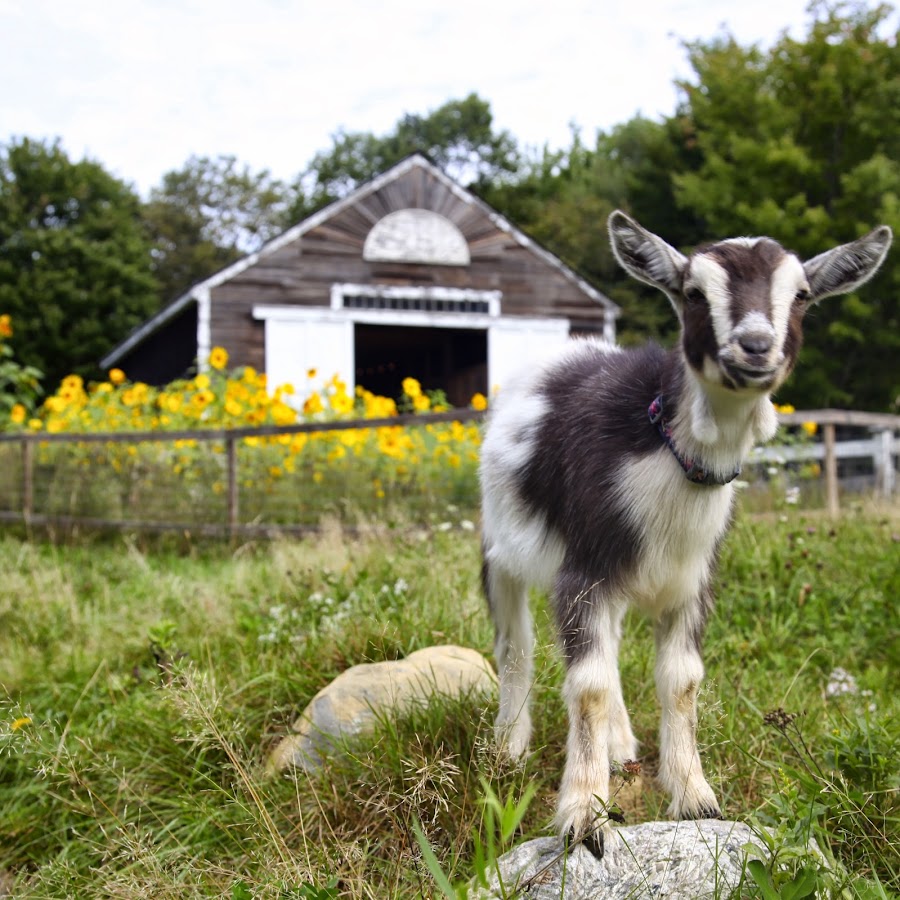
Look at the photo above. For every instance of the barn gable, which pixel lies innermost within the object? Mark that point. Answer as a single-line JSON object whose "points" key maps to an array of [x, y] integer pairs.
{"points": [[408, 275]]}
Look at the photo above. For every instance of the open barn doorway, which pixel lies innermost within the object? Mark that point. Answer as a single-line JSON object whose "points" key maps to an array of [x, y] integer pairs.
{"points": [[453, 360]]}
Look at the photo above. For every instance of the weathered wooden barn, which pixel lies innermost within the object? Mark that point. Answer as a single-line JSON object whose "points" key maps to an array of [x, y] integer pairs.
{"points": [[409, 275]]}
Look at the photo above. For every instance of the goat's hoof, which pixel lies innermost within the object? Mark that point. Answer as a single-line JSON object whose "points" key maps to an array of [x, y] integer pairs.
{"points": [[704, 812], [592, 842]]}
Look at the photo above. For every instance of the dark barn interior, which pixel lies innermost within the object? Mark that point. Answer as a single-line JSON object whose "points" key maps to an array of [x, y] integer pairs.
{"points": [[453, 360]]}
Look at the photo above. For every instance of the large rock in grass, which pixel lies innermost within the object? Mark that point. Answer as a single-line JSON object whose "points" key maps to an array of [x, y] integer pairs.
{"points": [[675, 860], [357, 699]]}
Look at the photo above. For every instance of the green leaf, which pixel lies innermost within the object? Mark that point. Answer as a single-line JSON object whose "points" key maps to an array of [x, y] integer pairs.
{"points": [[760, 874], [803, 885], [431, 861]]}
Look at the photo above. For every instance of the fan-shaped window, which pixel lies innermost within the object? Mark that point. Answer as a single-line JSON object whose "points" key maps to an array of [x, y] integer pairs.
{"points": [[416, 236]]}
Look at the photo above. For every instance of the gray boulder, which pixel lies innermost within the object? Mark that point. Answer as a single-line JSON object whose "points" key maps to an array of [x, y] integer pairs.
{"points": [[677, 860], [354, 702]]}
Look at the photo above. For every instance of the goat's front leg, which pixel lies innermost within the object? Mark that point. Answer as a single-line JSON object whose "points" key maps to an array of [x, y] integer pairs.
{"points": [[679, 672], [599, 730]]}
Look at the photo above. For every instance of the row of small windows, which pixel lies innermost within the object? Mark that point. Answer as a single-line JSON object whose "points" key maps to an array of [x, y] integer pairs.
{"points": [[417, 304]]}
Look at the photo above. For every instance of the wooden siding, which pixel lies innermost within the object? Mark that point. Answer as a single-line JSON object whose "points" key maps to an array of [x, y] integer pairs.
{"points": [[302, 272]]}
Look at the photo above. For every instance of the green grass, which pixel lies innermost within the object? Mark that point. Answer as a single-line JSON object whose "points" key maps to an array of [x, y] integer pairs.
{"points": [[148, 681]]}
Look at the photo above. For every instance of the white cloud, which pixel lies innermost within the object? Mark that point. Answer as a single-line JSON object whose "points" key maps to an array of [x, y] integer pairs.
{"points": [[143, 84]]}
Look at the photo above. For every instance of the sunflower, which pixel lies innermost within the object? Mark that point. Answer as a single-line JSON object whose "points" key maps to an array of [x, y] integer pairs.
{"points": [[218, 358]]}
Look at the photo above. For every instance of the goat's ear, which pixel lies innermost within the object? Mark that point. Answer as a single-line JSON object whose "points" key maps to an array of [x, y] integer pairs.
{"points": [[844, 268], [644, 255]]}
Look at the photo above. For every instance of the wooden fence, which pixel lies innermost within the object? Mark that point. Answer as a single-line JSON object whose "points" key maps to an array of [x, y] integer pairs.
{"points": [[26, 510], [881, 447], [18, 501]]}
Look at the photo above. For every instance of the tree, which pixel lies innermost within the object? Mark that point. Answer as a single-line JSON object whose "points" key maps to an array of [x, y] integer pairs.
{"points": [[458, 137], [563, 199], [208, 214], [74, 261], [800, 143]]}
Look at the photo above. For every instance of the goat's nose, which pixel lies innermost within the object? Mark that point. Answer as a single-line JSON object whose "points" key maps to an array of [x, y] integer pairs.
{"points": [[755, 343]]}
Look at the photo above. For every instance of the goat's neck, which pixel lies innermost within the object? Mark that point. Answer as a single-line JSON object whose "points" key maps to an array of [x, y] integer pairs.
{"points": [[718, 426]]}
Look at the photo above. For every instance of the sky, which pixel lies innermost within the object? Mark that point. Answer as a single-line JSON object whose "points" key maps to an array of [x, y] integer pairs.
{"points": [[141, 85]]}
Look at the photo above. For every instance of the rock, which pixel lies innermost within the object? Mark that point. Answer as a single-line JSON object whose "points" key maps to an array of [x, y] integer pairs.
{"points": [[353, 703], [678, 860]]}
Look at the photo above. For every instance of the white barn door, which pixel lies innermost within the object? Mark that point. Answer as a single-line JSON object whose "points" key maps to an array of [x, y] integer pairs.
{"points": [[296, 345], [513, 342]]}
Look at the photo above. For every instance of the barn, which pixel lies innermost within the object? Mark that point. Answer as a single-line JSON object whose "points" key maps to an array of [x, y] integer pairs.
{"points": [[409, 275]]}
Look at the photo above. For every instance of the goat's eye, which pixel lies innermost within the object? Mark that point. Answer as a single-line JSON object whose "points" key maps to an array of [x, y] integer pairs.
{"points": [[802, 296], [694, 295]]}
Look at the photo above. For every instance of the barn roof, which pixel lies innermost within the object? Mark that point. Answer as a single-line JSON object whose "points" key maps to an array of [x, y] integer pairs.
{"points": [[200, 291]]}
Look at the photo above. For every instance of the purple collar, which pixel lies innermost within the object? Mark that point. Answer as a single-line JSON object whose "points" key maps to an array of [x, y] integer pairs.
{"points": [[693, 471]]}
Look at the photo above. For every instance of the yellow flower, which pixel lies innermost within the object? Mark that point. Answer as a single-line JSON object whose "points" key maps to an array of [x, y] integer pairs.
{"points": [[170, 402], [313, 405], [20, 722], [810, 428], [35, 424], [479, 401], [202, 381], [203, 398], [341, 403], [6, 329], [311, 373], [421, 403], [116, 376], [785, 409], [412, 388], [283, 414], [17, 414], [218, 358]]}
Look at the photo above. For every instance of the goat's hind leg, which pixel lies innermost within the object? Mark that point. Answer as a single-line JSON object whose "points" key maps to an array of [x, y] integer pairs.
{"points": [[514, 652]]}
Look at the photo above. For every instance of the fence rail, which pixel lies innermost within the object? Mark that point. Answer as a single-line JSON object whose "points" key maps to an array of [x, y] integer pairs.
{"points": [[19, 503]]}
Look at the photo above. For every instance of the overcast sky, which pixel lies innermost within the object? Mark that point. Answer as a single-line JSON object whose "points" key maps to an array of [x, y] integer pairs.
{"points": [[140, 85]]}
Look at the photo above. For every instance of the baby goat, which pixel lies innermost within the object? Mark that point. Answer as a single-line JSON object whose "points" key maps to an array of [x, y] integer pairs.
{"points": [[606, 478]]}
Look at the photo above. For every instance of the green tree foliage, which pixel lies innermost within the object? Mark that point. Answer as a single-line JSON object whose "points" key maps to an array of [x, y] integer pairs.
{"points": [[563, 199], [458, 137], [74, 262], [208, 214], [801, 143]]}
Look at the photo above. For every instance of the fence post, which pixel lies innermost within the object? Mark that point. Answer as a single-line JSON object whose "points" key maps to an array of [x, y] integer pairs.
{"points": [[231, 457], [27, 480], [831, 474], [884, 464]]}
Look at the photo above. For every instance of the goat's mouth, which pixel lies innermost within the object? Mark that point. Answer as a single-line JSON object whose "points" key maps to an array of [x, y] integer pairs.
{"points": [[744, 376]]}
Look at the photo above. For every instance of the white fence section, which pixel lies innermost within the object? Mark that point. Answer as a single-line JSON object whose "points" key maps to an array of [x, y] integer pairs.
{"points": [[882, 446]]}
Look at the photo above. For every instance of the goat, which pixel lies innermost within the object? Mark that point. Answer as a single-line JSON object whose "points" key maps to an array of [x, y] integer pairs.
{"points": [[607, 477]]}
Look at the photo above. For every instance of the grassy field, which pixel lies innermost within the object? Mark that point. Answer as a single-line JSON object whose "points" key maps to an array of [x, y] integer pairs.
{"points": [[144, 684]]}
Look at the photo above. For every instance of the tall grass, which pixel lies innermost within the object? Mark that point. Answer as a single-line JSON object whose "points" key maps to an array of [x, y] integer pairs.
{"points": [[145, 684]]}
